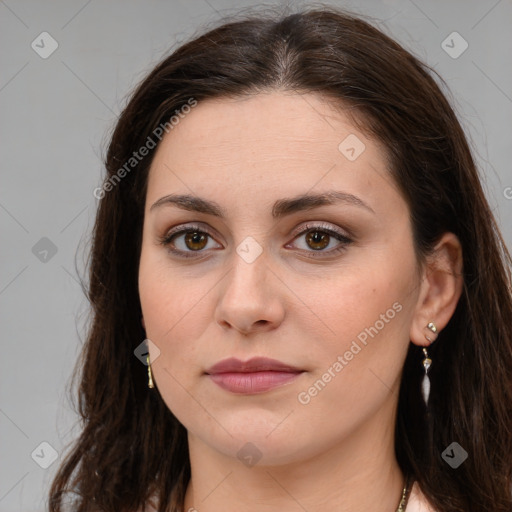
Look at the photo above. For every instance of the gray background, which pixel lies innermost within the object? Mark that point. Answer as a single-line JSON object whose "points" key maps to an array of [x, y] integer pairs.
{"points": [[56, 114]]}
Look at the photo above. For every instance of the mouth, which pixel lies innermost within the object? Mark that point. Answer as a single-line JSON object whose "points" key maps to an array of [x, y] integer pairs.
{"points": [[257, 375]]}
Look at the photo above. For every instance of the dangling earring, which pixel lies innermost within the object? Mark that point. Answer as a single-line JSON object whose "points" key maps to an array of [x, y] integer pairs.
{"points": [[150, 383], [427, 362], [425, 385]]}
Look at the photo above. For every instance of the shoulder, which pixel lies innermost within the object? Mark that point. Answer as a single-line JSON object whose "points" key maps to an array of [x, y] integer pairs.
{"points": [[417, 501]]}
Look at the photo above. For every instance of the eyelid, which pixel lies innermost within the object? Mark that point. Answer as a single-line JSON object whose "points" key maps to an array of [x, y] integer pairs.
{"points": [[343, 238], [188, 226], [320, 226], [180, 230]]}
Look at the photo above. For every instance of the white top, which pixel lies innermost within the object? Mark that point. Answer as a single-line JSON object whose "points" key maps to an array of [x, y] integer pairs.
{"points": [[417, 501]]}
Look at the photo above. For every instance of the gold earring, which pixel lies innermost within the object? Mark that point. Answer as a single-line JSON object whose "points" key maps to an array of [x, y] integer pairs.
{"points": [[150, 383], [433, 328]]}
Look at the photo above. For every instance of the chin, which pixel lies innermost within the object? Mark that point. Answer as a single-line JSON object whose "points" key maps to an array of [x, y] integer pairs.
{"points": [[261, 441]]}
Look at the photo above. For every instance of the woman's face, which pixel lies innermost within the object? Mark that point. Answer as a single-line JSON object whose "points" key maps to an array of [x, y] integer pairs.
{"points": [[327, 287]]}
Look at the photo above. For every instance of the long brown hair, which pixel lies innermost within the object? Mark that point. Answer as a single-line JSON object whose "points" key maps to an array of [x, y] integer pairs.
{"points": [[131, 445]]}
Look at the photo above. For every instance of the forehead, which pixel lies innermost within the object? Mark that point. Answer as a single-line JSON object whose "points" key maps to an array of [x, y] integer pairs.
{"points": [[285, 123], [282, 143]]}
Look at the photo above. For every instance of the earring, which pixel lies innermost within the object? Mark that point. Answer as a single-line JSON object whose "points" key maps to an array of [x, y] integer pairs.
{"points": [[150, 376], [433, 328], [427, 362]]}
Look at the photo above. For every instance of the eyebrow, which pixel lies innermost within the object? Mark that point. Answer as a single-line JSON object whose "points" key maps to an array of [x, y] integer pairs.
{"points": [[281, 208]]}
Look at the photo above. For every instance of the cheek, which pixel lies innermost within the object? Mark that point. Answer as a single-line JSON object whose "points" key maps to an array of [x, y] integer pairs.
{"points": [[171, 311], [165, 299], [176, 312], [367, 309], [358, 368], [356, 299]]}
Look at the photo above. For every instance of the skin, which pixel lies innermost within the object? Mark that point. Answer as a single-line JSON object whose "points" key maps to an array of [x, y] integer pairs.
{"points": [[337, 451]]}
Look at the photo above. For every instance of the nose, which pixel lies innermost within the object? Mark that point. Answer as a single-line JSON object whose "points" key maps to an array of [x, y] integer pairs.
{"points": [[250, 297]]}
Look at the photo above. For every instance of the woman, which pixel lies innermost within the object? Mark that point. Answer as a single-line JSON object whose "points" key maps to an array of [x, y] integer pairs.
{"points": [[293, 224]]}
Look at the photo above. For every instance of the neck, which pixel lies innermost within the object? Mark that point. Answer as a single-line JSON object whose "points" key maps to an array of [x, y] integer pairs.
{"points": [[359, 473]]}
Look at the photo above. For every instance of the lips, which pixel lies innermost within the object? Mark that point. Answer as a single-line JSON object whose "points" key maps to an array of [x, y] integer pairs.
{"points": [[256, 364], [256, 375]]}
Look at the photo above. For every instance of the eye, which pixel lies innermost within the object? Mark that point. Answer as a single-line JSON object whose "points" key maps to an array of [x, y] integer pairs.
{"points": [[191, 241], [320, 236], [186, 242]]}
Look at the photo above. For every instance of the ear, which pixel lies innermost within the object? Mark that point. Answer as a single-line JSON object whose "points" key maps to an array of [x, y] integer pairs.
{"points": [[440, 290]]}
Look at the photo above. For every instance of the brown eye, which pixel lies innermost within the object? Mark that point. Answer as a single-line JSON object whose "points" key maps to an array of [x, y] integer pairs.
{"points": [[189, 241], [196, 240], [320, 240], [317, 240]]}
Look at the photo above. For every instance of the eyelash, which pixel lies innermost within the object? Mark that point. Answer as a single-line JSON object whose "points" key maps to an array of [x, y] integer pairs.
{"points": [[321, 228]]}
